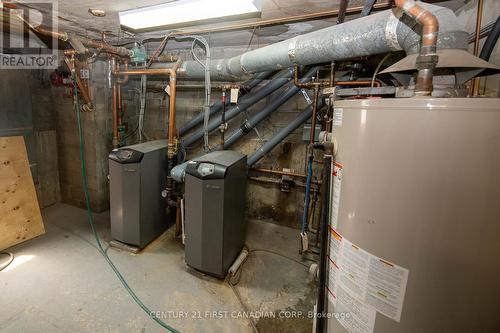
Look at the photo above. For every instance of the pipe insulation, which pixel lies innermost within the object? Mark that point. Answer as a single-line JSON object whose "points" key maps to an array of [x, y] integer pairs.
{"points": [[283, 133], [382, 32], [246, 101], [179, 171], [217, 106], [290, 90]]}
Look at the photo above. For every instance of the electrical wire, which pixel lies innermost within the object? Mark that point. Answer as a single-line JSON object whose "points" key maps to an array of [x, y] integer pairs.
{"points": [[8, 262], [90, 219], [206, 67], [378, 68], [208, 85], [143, 93]]}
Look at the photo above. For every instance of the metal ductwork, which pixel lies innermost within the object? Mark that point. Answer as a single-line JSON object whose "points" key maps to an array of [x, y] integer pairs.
{"points": [[217, 106], [283, 133], [247, 101], [382, 32]]}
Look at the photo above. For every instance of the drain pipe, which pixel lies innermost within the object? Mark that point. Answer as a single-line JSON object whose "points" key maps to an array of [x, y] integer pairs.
{"points": [[427, 59], [247, 101], [281, 135], [217, 106], [290, 90]]}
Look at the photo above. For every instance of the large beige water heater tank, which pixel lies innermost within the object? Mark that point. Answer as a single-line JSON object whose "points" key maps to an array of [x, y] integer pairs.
{"points": [[419, 190]]}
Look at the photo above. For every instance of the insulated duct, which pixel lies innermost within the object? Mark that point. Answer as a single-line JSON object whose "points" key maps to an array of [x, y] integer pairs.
{"points": [[281, 135], [245, 102], [290, 90], [382, 32], [217, 106]]}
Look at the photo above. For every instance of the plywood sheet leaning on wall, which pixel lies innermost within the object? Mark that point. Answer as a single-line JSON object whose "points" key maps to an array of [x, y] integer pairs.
{"points": [[20, 217]]}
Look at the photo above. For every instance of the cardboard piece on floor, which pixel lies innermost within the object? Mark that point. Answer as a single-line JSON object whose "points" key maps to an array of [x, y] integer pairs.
{"points": [[20, 218]]}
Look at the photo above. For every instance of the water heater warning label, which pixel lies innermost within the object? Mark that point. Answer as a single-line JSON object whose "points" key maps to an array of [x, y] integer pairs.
{"points": [[364, 282], [338, 115], [335, 192]]}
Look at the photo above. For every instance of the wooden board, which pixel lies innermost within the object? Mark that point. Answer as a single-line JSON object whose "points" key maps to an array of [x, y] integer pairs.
{"points": [[20, 217]]}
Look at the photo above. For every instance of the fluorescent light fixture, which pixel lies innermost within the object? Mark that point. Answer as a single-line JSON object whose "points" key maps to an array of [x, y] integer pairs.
{"points": [[188, 12]]}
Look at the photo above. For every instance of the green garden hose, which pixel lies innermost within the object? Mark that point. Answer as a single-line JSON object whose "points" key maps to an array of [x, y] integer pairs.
{"points": [[90, 218]]}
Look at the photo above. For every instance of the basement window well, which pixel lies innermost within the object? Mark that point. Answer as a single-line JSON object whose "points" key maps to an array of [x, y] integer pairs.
{"points": [[188, 12]]}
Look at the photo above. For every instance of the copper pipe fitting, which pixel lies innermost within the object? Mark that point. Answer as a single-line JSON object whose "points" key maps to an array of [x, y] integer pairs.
{"points": [[172, 74], [427, 60]]}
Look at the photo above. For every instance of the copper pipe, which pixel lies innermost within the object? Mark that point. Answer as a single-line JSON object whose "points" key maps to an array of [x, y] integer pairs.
{"points": [[171, 73], [277, 182], [161, 87], [283, 20], [119, 107], [70, 62], [64, 36], [281, 173], [147, 71], [310, 85], [120, 83], [427, 59], [50, 33], [125, 78], [313, 116], [332, 73], [475, 82], [166, 58], [376, 83], [114, 104], [307, 85], [69, 52]]}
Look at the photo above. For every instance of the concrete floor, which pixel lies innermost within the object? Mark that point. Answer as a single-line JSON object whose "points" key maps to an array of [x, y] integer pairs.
{"points": [[59, 283]]}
